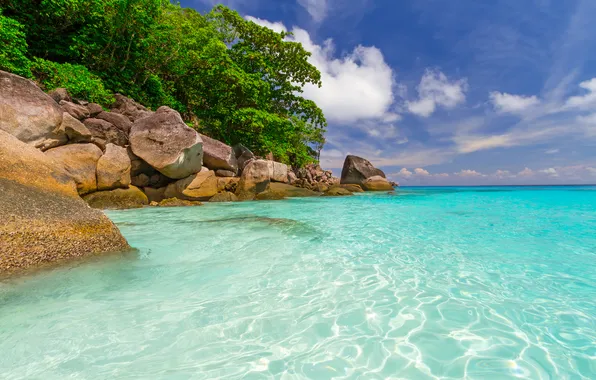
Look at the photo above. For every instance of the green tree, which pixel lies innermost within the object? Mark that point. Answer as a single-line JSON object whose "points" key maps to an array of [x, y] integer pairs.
{"points": [[13, 54]]}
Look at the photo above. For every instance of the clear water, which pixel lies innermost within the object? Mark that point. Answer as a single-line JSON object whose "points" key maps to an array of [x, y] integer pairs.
{"points": [[484, 283]]}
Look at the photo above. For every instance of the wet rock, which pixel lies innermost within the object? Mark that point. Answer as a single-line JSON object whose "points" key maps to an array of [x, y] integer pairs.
{"points": [[131, 197], [377, 183], [175, 202], [289, 191], [352, 188], [225, 196], [337, 191]]}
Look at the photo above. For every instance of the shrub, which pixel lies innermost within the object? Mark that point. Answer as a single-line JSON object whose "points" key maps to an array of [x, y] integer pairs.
{"points": [[79, 81], [13, 47]]}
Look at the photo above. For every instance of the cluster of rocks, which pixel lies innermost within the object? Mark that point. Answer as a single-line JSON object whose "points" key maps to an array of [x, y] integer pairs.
{"points": [[66, 149]]}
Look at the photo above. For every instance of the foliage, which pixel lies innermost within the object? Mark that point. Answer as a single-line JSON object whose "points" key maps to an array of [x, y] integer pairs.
{"points": [[235, 80], [13, 56], [79, 82]]}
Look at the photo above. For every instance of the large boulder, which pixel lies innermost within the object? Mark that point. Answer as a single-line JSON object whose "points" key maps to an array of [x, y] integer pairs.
{"points": [[254, 180], [113, 168], [60, 94], [357, 169], [129, 108], [155, 195], [80, 162], [75, 131], [28, 113], [278, 172], [352, 188], [75, 110], [106, 132], [43, 218], [336, 191], [198, 187], [243, 156], [217, 155], [377, 183], [117, 120], [131, 197], [167, 144]]}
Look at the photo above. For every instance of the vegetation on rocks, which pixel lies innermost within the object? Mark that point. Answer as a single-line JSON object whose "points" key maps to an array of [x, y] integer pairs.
{"points": [[230, 78]]}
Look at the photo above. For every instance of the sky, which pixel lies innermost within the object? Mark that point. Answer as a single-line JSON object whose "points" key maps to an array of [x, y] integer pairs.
{"points": [[460, 92]]}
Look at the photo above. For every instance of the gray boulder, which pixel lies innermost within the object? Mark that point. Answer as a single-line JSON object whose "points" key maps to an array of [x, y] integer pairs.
{"points": [[28, 113], [113, 168], [243, 156], [129, 108], [166, 143], [60, 94], [118, 120], [224, 173], [278, 172], [75, 131], [75, 110], [106, 132], [217, 155], [357, 169], [79, 161], [94, 109], [254, 180]]}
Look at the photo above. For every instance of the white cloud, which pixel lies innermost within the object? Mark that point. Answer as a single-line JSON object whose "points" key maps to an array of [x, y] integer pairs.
{"points": [[587, 100], [527, 172], [550, 171], [404, 173], [316, 8], [436, 90], [421, 172], [469, 173], [355, 87], [504, 102], [503, 174], [552, 151]]}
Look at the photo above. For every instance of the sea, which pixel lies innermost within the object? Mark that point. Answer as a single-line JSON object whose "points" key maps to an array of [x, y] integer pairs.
{"points": [[422, 283]]}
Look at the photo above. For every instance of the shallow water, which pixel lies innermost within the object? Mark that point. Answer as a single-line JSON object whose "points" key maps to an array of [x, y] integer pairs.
{"points": [[484, 283]]}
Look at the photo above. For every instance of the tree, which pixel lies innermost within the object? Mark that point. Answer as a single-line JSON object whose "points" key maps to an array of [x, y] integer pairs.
{"points": [[13, 54]]}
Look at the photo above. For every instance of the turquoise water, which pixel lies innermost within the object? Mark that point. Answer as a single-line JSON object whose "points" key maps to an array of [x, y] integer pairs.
{"points": [[483, 283]]}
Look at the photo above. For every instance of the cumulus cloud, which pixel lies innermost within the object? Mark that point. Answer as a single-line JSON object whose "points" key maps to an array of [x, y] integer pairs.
{"points": [[527, 172], [316, 8], [508, 103], [468, 173], [503, 174], [550, 172], [357, 86], [436, 90], [421, 172], [404, 173]]}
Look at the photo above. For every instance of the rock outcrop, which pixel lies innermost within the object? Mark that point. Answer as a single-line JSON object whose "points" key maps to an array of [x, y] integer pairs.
{"points": [[254, 180], [289, 191], [167, 144], [43, 218], [337, 191], [117, 120], [129, 108], [312, 177], [243, 156], [77, 111], [131, 197], [225, 196], [105, 132], [113, 168], [197, 187], [79, 161], [376, 183], [278, 172], [28, 113], [218, 156], [357, 169], [75, 131]]}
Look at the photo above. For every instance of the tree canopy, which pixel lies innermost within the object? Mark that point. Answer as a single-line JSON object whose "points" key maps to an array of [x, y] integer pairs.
{"points": [[230, 78]]}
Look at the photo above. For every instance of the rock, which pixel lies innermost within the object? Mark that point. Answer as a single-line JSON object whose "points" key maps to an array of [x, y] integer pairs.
{"points": [[269, 196], [352, 188], [113, 168], [80, 162], [337, 191], [75, 131], [225, 196], [278, 172], [43, 218], [141, 180], [77, 111], [356, 170], [197, 187], [129, 108], [117, 199], [227, 184], [224, 173], [117, 120], [254, 180], [153, 204], [243, 156], [94, 109], [59, 95], [321, 187], [217, 155], [175, 202], [155, 195], [106, 132], [167, 144], [289, 191], [28, 113], [377, 183], [292, 177]]}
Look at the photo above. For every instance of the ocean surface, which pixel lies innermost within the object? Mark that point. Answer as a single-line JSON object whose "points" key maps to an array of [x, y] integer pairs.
{"points": [[427, 283]]}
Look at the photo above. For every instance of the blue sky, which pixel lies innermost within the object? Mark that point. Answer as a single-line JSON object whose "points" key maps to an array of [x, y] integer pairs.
{"points": [[450, 92]]}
